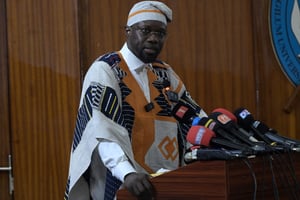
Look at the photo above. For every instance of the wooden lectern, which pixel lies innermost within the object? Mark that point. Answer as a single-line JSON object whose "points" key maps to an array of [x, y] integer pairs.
{"points": [[263, 177]]}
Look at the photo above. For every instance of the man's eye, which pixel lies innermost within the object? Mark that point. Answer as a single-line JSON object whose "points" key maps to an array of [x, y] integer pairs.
{"points": [[145, 30], [162, 33]]}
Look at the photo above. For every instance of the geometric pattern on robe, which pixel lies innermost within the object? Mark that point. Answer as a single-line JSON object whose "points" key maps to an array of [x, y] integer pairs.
{"points": [[104, 113]]}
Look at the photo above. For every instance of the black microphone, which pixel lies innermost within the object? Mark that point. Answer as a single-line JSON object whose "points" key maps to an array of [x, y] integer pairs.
{"points": [[246, 120], [269, 132], [229, 125], [182, 112], [293, 145], [274, 136], [196, 154], [225, 139], [214, 126], [185, 110], [234, 119]]}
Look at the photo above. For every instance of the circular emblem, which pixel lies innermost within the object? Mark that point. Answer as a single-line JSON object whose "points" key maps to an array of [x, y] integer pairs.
{"points": [[285, 33]]}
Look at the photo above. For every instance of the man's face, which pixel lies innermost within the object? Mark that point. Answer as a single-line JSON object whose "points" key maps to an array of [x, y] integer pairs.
{"points": [[146, 39]]}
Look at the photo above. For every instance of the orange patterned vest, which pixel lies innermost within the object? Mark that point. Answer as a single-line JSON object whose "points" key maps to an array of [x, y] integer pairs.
{"points": [[154, 137]]}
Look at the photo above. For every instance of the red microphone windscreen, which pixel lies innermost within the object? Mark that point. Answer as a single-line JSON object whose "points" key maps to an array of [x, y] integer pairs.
{"points": [[226, 112], [200, 135]]}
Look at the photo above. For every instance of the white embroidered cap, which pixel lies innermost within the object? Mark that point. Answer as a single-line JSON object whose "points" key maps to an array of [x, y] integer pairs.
{"points": [[149, 10]]}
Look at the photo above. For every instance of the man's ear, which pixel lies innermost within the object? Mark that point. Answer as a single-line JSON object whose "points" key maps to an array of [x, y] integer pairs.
{"points": [[127, 29]]}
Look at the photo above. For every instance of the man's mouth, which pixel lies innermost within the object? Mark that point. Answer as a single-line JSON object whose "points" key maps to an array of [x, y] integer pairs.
{"points": [[150, 50]]}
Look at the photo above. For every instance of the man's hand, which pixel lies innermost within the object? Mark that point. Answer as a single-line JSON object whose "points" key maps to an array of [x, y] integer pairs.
{"points": [[139, 185]]}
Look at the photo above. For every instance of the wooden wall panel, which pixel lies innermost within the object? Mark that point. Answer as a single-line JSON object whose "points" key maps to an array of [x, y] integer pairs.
{"points": [[4, 106], [44, 86], [273, 87], [101, 27], [213, 52]]}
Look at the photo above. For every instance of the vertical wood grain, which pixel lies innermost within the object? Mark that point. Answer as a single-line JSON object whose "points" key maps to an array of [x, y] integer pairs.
{"points": [[272, 85], [44, 86], [4, 105], [213, 52], [101, 27]]}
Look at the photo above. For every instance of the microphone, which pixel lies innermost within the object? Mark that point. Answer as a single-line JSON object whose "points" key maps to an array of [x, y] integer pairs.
{"points": [[212, 125], [185, 110], [268, 132], [182, 112], [229, 125], [203, 136], [246, 120], [227, 113], [200, 135], [196, 154], [293, 145], [274, 135], [234, 119]]}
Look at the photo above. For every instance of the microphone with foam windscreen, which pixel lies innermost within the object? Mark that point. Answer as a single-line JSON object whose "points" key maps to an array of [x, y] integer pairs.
{"points": [[226, 123], [186, 109], [246, 120], [204, 141], [273, 134], [202, 136], [234, 119], [214, 126], [245, 117], [227, 113], [183, 112]]}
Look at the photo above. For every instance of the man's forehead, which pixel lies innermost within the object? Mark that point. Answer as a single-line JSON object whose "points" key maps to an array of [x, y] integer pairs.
{"points": [[151, 23]]}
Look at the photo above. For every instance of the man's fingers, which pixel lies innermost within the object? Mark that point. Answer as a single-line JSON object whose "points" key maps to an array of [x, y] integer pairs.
{"points": [[139, 184]]}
